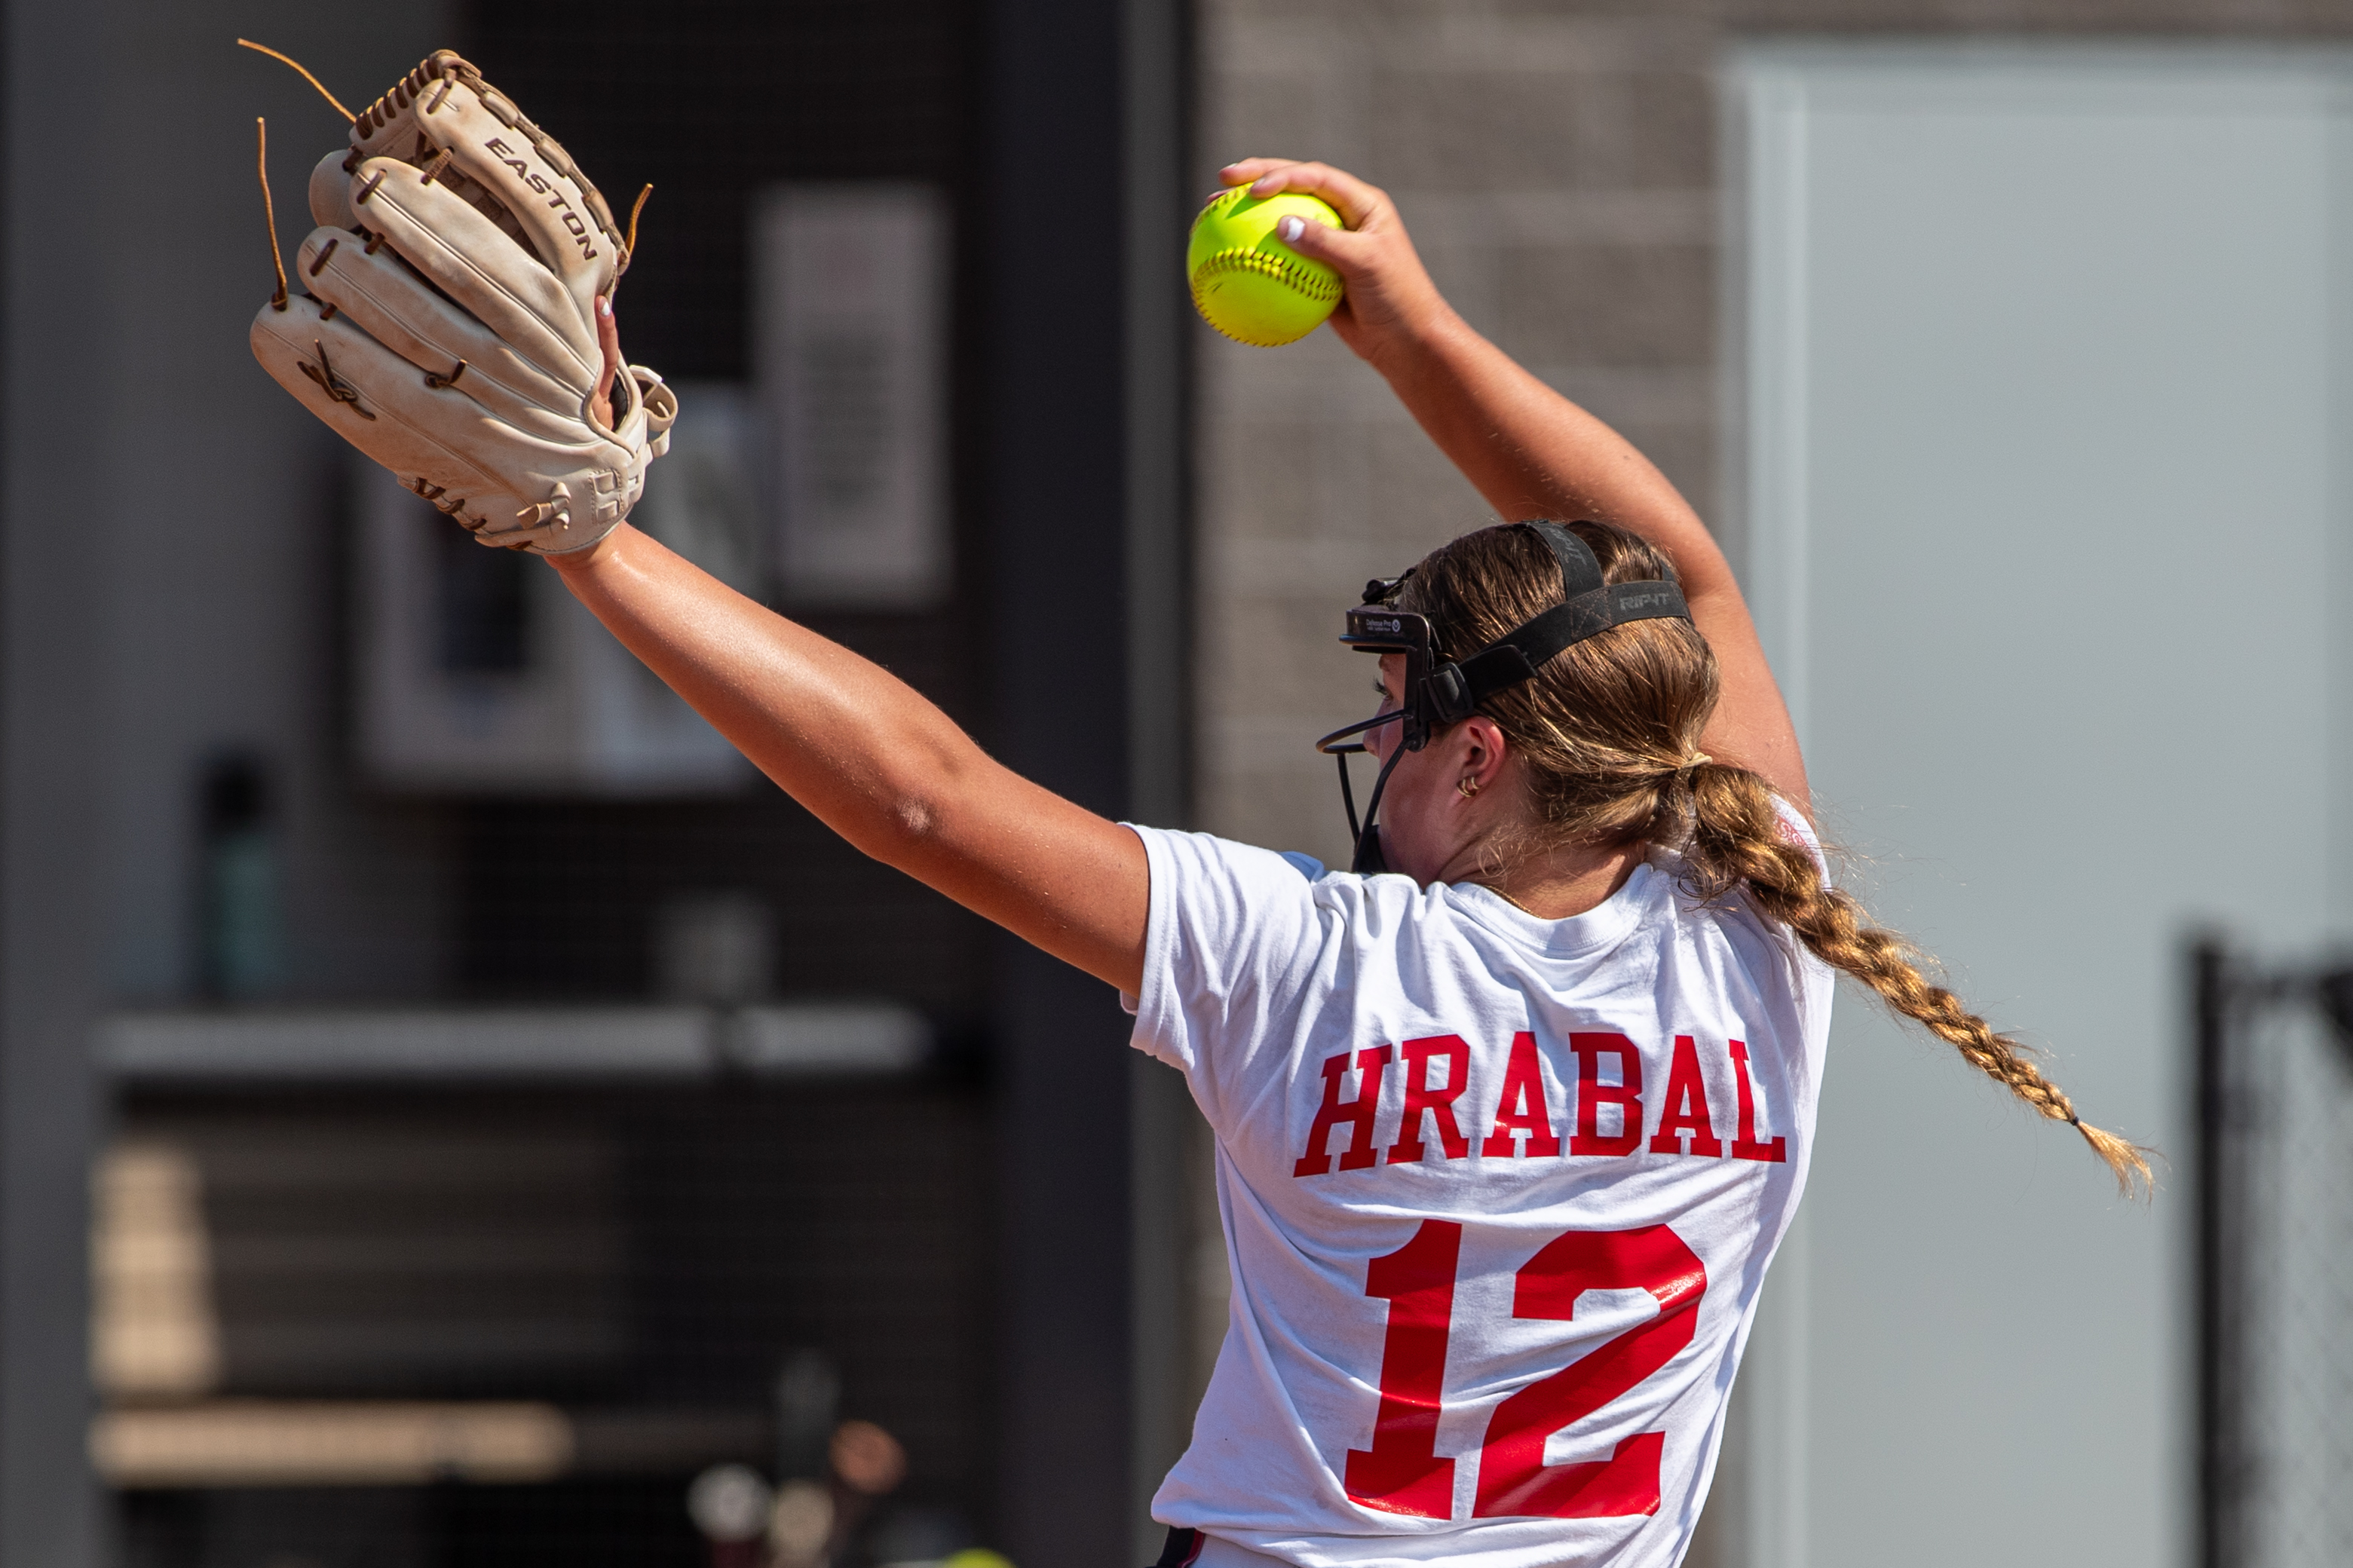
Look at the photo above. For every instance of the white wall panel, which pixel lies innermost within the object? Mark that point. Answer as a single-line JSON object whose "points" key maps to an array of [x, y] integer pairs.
{"points": [[2043, 398]]}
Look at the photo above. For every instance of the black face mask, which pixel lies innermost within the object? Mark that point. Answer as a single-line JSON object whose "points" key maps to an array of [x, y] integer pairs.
{"points": [[1437, 694]]}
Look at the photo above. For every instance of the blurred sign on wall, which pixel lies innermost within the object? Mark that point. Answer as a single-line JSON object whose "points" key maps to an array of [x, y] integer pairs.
{"points": [[480, 674], [702, 498], [850, 349]]}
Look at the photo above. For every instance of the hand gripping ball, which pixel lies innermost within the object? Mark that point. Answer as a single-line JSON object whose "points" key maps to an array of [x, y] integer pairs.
{"points": [[1247, 283]]}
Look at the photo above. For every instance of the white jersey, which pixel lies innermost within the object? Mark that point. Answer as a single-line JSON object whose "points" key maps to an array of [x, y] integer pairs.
{"points": [[1498, 1194]]}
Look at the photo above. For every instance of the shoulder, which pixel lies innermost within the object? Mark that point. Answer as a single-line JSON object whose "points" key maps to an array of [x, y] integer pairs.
{"points": [[1238, 941], [1203, 861], [1219, 910], [1202, 866]]}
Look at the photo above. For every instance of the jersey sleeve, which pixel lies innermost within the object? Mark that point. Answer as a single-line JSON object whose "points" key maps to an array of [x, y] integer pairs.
{"points": [[1232, 944]]}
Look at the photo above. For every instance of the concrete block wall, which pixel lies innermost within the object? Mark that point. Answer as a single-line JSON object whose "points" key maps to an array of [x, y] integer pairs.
{"points": [[1555, 170]]}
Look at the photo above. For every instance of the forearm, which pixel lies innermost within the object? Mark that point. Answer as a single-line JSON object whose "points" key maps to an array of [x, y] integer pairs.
{"points": [[1533, 453], [873, 759], [844, 737]]}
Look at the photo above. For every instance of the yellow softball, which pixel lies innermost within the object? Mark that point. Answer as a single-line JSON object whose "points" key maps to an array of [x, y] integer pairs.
{"points": [[1246, 282]]}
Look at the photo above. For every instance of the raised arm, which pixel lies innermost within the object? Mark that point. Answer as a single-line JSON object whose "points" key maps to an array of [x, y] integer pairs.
{"points": [[1529, 451], [877, 762]]}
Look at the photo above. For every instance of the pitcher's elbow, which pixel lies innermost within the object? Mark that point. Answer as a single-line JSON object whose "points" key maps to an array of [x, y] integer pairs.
{"points": [[914, 820]]}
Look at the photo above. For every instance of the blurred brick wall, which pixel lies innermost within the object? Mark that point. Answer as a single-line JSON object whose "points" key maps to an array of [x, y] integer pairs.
{"points": [[1555, 164], [1555, 170]]}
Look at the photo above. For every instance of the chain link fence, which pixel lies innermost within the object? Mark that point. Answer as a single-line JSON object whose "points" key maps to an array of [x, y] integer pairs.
{"points": [[2276, 1068]]}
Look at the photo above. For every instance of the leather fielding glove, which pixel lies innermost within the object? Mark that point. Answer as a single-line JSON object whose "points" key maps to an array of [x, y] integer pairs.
{"points": [[449, 326]]}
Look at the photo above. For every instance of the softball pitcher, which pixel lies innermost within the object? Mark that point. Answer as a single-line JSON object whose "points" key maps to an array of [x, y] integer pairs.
{"points": [[1510, 1115]]}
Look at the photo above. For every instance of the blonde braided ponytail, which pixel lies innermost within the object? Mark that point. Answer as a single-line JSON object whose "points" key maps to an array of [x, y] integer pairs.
{"points": [[1610, 730], [1737, 841]]}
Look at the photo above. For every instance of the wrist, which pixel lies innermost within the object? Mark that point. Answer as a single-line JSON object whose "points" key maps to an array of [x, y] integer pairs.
{"points": [[1418, 340], [589, 557]]}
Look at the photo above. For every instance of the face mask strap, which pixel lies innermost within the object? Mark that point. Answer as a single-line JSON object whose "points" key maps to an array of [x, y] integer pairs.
{"points": [[1340, 748], [1368, 861]]}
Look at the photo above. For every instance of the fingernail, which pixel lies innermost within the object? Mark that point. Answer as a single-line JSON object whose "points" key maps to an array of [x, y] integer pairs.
{"points": [[1292, 228], [603, 306]]}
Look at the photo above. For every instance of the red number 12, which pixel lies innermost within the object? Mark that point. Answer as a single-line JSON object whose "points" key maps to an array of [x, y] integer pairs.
{"points": [[1402, 1472]]}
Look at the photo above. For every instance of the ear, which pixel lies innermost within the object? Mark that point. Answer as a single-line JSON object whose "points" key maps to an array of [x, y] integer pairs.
{"points": [[1479, 750]]}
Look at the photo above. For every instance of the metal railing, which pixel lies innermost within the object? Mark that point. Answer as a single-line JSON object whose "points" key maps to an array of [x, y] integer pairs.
{"points": [[228, 1047]]}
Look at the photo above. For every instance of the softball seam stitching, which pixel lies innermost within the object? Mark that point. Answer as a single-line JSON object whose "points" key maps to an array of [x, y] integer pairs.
{"points": [[1289, 270]]}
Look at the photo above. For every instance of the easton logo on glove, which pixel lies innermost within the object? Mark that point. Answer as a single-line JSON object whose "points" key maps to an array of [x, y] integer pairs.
{"points": [[539, 183], [447, 325]]}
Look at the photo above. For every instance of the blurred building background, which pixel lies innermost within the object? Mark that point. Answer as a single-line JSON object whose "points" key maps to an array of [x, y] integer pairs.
{"points": [[500, 1107], [445, 1106]]}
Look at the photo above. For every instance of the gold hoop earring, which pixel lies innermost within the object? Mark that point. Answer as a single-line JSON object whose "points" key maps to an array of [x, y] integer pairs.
{"points": [[1466, 788]]}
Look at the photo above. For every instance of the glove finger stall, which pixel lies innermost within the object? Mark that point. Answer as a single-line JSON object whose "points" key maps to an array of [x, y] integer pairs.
{"points": [[469, 258], [383, 297], [355, 386], [331, 193], [549, 494], [554, 211], [444, 104]]}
